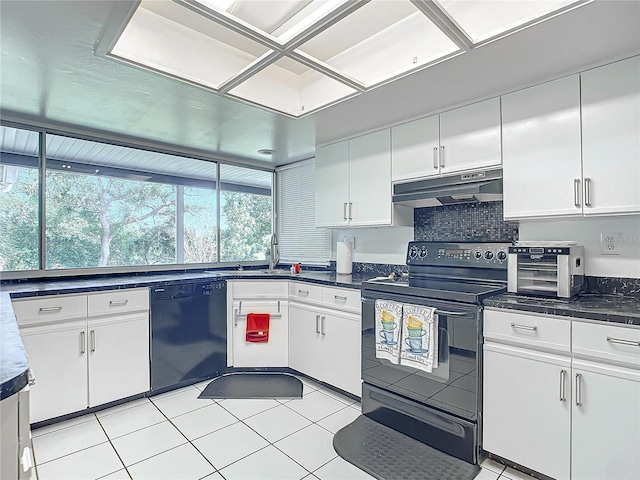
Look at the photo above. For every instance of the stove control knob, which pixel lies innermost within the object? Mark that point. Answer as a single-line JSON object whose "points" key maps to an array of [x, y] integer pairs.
{"points": [[423, 252], [413, 251], [488, 255], [502, 256], [478, 254]]}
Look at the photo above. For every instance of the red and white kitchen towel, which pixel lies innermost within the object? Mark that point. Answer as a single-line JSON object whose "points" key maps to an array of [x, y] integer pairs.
{"points": [[257, 327]]}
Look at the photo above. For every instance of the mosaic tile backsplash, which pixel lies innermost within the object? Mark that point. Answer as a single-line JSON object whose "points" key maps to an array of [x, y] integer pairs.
{"points": [[466, 222]]}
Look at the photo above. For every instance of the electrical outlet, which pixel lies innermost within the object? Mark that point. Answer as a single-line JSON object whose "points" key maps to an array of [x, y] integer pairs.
{"points": [[610, 243]]}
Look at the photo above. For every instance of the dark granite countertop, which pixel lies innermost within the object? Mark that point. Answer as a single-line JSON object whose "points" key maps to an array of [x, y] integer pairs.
{"points": [[14, 365], [606, 308]]}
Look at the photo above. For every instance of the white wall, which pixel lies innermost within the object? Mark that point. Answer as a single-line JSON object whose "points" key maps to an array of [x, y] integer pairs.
{"points": [[376, 245], [587, 231]]}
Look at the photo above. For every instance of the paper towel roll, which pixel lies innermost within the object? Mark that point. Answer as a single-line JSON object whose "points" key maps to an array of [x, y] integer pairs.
{"points": [[343, 258]]}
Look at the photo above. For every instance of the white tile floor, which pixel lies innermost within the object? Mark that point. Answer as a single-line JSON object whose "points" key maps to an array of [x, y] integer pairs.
{"points": [[178, 436]]}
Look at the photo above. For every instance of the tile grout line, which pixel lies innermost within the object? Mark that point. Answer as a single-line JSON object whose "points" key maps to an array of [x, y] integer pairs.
{"points": [[114, 449]]}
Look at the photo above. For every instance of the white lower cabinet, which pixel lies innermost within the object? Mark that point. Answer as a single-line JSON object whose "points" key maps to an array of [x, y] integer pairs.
{"points": [[341, 357], [89, 361], [606, 422], [118, 358], [527, 408], [569, 414], [274, 352], [324, 342], [58, 358]]}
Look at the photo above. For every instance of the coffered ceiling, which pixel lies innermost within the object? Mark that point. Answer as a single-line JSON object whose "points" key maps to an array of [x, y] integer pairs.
{"points": [[57, 70]]}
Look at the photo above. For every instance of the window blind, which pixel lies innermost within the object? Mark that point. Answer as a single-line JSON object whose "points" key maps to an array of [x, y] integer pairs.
{"points": [[298, 237]]}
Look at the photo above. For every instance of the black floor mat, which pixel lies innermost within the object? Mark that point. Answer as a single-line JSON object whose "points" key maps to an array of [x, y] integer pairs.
{"points": [[390, 455], [254, 385]]}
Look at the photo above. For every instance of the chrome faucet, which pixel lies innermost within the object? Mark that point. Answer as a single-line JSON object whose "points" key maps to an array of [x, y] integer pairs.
{"points": [[274, 257]]}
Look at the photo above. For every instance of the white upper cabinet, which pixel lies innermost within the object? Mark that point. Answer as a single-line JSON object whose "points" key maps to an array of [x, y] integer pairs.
{"points": [[571, 147], [414, 149], [470, 137], [353, 184], [332, 185], [541, 150], [370, 179], [466, 138], [611, 138]]}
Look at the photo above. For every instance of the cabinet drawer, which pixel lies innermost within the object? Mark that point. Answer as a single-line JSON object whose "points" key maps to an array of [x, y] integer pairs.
{"points": [[261, 289], [607, 342], [118, 301], [305, 292], [341, 298], [47, 309], [531, 331]]}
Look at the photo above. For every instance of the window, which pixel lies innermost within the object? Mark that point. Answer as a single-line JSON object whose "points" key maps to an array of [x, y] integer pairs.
{"points": [[246, 211], [299, 239], [19, 199], [112, 206]]}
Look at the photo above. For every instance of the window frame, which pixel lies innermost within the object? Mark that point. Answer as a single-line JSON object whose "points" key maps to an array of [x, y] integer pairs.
{"points": [[43, 272]]}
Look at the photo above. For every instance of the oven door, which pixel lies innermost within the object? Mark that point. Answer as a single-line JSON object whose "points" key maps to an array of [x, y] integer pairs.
{"points": [[452, 387]]}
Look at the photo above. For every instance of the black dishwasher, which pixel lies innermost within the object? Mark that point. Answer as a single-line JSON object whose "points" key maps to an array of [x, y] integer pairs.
{"points": [[188, 333]]}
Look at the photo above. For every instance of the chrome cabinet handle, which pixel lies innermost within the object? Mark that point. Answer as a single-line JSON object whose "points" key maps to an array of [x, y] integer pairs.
{"points": [[82, 343], [435, 158], [576, 192], [318, 324], [578, 390], [441, 156], [115, 303], [587, 192], [623, 341], [524, 327], [31, 377], [563, 377], [453, 314], [50, 309], [322, 324], [93, 340], [350, 214], [340, 297], [344, 211], [303, 292]]}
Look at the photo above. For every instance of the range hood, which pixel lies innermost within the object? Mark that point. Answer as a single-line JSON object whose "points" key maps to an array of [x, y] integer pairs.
{"points": [[483, 186]]}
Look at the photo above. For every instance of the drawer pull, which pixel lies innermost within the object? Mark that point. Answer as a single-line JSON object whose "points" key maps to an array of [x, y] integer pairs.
{"points": [[524, 327], [563, 376], [303, 292], [116, 303], [622, 341], [50, 309], [340, 297]]}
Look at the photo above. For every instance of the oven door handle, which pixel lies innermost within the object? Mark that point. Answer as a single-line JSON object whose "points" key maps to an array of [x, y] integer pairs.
{"points": [[454, 314]]}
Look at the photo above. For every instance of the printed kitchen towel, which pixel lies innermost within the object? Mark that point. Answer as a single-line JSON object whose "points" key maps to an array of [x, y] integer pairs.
{"points": [[387, 331], [257, 327], [419, 339]]}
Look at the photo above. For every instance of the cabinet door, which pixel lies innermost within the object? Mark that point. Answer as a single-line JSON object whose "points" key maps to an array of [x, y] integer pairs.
{"points": [[58, 357], [524, 418], [470, 137], [606, 424], [370, 179], [304, 340], [611, 138], [341, 356], [415, 149], [275, 352], [332, 185], [118, 358], [541, 154]]}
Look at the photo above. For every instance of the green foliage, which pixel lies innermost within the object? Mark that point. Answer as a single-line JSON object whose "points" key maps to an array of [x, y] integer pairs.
{"points": [[247, 227], [97, 221]]}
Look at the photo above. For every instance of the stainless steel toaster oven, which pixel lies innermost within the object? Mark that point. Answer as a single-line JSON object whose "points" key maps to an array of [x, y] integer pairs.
{"points": [[550, 270]]}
